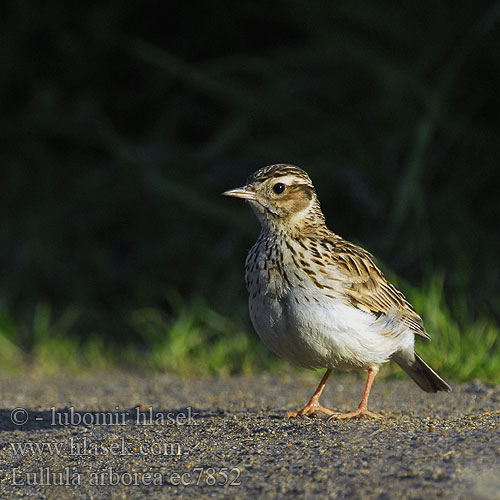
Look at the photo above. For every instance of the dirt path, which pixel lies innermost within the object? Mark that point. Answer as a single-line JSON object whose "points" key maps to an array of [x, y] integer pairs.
{"points": [[227, 438]]}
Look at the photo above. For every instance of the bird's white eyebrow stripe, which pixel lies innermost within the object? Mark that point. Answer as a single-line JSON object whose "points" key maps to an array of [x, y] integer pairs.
{"points": [[288, 179]]}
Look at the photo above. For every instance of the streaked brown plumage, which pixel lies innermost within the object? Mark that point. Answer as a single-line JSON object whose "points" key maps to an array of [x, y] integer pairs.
{"points": [[318, 299]]}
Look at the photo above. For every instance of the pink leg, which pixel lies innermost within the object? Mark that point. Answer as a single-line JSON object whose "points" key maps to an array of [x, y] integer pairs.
{"points": [[313, 406], [362, 410]]}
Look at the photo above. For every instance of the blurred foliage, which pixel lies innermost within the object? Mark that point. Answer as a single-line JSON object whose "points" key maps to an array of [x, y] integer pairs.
{"points": [[192, 340], [195, 340], [462, 345], [123, 121]]}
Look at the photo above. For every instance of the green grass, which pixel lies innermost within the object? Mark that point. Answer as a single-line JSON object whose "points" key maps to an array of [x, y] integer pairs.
{"points": [[461, 347], [196, 340]]}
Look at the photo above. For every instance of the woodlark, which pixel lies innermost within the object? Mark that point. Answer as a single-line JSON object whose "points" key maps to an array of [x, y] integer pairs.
{"points": [[319, 300]]}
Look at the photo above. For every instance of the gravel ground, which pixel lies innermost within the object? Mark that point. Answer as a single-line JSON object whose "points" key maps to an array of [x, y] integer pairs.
{"points": [[228, 438]]}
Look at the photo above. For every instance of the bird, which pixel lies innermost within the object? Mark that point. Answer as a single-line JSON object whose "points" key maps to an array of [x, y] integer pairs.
{"points": [[319, 300]]}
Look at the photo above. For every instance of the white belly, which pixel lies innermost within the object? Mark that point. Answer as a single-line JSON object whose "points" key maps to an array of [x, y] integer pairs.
{"points": [[320, 332]]}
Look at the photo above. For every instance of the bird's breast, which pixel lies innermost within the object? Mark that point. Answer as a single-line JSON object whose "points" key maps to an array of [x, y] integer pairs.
{"points": [[301, 315]]}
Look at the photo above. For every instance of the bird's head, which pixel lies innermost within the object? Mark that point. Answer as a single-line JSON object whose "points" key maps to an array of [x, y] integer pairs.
{"points": [[281, 195]]}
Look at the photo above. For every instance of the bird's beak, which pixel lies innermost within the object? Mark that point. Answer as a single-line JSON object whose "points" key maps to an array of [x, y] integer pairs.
{"points": [[245, 192]]}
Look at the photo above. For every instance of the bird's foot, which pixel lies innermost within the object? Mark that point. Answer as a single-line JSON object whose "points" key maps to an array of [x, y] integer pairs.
{"points": [[311, 410], [360, 412]]}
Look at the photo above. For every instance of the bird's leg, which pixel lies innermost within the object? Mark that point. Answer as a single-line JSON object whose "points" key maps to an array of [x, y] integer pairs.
{"points": [[362, 410], [313, 406]]}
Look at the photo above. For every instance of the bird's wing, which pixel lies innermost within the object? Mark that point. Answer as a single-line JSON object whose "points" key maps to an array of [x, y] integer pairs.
{"points": [[367, 288]]}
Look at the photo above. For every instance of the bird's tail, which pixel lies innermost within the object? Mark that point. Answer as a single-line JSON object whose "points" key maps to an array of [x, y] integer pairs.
{"points": [[422, 374]]}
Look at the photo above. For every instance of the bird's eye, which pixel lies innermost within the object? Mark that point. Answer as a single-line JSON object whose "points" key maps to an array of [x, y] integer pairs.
{"points": [[278, 188]]}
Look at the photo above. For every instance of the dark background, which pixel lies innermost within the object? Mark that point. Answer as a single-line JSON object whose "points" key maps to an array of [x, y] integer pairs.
{"points": [[123, 121]]}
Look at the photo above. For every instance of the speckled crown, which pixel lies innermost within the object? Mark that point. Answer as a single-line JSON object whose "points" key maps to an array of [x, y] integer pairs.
{"points": [[279, 170]]}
